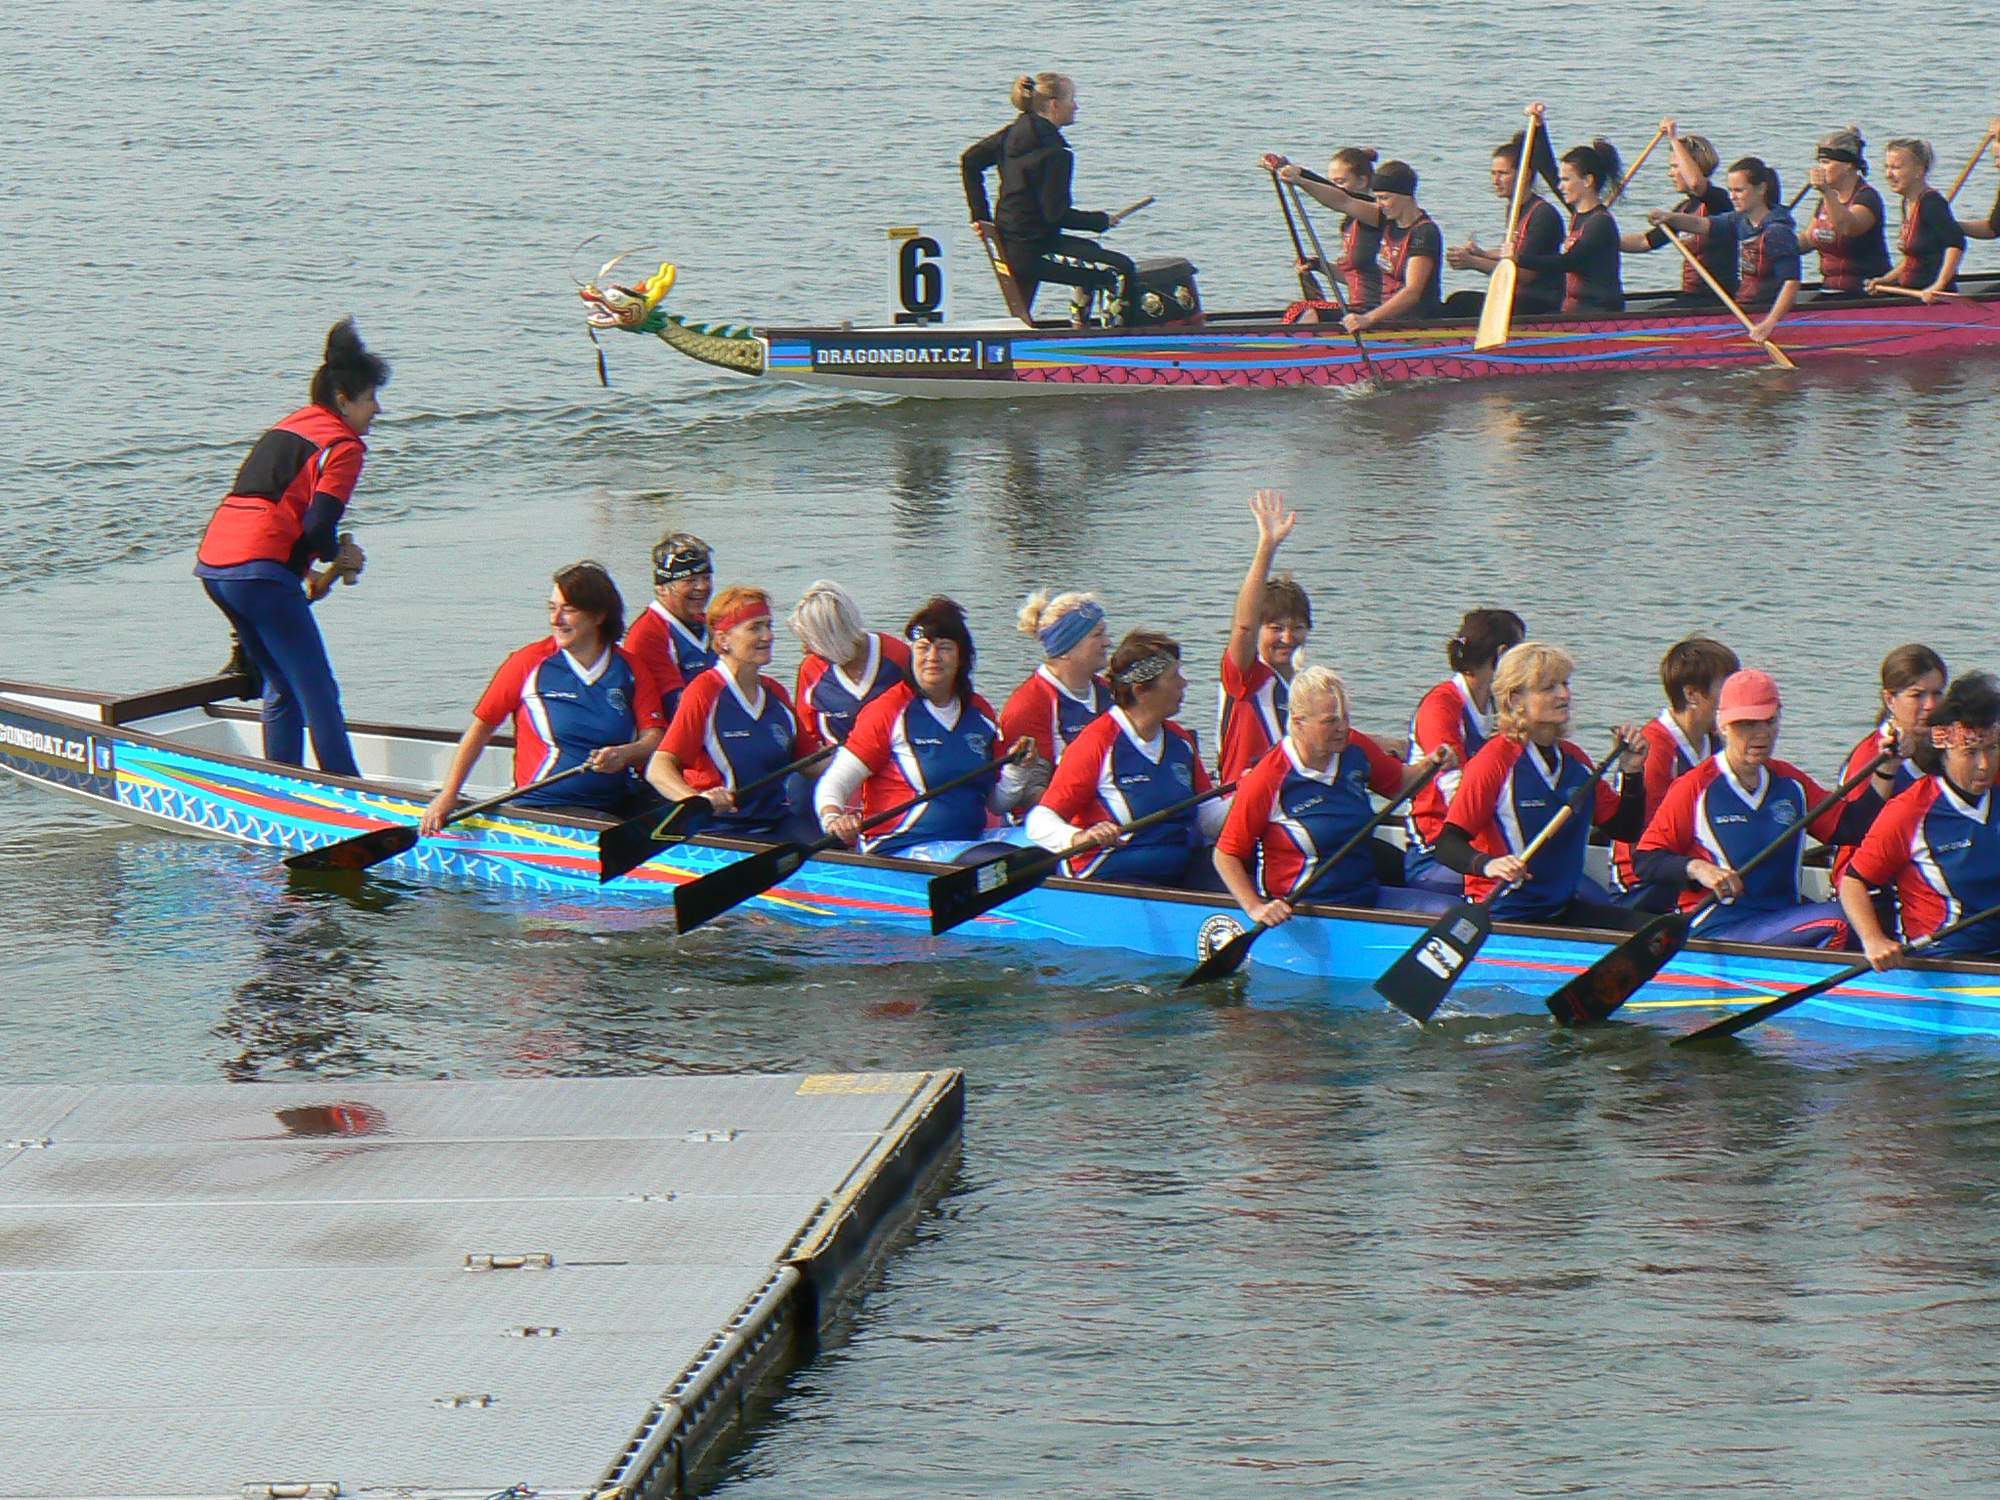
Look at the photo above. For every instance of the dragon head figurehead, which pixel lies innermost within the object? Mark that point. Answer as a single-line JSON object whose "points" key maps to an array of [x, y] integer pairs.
{"points": [[636, 309]]}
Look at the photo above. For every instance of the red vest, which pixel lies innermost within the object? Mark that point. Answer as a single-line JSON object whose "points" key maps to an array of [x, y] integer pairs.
{"points": [[311, 452], [1846, 261]]}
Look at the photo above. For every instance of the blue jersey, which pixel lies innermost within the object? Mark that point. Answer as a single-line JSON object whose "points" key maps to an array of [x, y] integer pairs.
{"points": [[1107, 775], [1709, 814], [721, 738], [562, 711], [908, 748], [1507, 794], [1291, 817]]}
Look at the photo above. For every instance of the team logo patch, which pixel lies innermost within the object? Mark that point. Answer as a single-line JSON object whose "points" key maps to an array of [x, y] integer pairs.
{"points": [[1184, 774], [619, 702], [1786, 814], [1217, 933], [980, 743]]}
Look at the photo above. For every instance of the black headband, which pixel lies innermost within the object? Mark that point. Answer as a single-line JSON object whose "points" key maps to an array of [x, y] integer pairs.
{"points": [[688, 564]]}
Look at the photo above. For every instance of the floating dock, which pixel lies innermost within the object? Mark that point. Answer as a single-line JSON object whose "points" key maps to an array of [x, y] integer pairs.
{"points": [[306, 1291]]}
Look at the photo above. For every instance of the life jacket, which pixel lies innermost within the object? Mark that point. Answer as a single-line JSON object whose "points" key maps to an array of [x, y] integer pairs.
{"points": [[263, 516], [1394, 254], [1754, 269], [1358, 266], [1846, 261]]}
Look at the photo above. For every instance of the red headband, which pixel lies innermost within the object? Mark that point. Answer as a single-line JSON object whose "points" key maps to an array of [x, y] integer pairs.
{"points": [[753, 609]]}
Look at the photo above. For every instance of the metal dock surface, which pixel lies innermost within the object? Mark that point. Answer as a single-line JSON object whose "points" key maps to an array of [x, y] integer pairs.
{"points": [[429, 1289]]}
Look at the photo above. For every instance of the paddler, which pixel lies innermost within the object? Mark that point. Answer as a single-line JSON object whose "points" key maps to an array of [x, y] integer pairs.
{"points": [[1913, 682], [923, 732], [846, 667], [1036, 166], [1305, 799], [1133, 761], [735, 725], [1734, 805], [576, 698], [1539, 231], [671, 635], [1846, 227], [1760, 227], [1987, 228], [1937, 844], [1518, 782], [1410, 255], [1456, 717], [1272, 620], [1067, 691], [1931, 241], [1589, 258], [282, 514], [1351, 172], [1691, 164]]}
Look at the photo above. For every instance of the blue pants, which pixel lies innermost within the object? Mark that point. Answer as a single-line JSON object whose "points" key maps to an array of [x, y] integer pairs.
{"points": [[1809, 925], [275, 624], [1422, 872]]}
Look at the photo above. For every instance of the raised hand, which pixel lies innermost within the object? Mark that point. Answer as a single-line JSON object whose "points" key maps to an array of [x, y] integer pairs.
{"points": [[1274, 522]]}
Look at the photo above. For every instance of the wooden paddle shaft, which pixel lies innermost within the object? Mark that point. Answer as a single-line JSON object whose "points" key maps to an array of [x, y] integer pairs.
{"points": [[1618, 191], [1568, 810], [1333, 280], [1977, 152], [1130, 209], [1778, 356], [1910, 291], [1522, 171]]}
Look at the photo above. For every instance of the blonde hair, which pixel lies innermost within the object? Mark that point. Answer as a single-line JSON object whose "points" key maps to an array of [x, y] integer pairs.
{"points": [[1040, 611], [1031, 89], [1701, 151], [828, 622], [1526, 668], [1910, 146], [1317, 682]]}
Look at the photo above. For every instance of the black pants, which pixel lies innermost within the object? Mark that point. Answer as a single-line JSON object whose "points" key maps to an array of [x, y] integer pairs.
{"points": [[1070, 261]]}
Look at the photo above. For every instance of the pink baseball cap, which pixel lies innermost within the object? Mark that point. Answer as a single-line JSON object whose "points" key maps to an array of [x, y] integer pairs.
{"points": [[1747, 695]]}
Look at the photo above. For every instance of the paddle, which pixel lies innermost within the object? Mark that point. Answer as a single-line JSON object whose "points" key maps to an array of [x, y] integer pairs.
{"points": [[976, 889], [1977, 152], [1333, 280], [1778, 356], [1496, 317], [1227, 959], [1417, 983], [1309, 286], [713, 894], [1744, 1020], [378, 844], [1607, 984], [1910, 291], [1128, 210], [625, 846], [1618, 190]]}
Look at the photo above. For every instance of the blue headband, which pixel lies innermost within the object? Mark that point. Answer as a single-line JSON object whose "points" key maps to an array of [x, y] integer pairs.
{"points": [[1071, 628]]}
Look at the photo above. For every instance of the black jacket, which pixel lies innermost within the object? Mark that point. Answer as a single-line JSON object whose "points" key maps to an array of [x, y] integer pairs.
{"points": [[1035, 166]]}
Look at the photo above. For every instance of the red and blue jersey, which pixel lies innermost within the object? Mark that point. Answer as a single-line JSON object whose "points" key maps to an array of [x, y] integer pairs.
{"points": [[828, 699], [563, 710], [1446, 716], [1907, 776], [1670, 755], [1941, 854], [1109, 774], [1293, 817], [288, 497], [1043, 710], [721, 738], [1709, 814], [1506, 795], [910, 745], [1252, 719], [676, 654]]}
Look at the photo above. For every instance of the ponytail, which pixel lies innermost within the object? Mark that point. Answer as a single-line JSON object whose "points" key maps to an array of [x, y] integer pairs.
{"points": [[1033, 89], [348, 370]]}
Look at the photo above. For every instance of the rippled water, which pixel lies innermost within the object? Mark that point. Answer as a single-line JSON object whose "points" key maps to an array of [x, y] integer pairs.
{"points": [[1221, 1245]]}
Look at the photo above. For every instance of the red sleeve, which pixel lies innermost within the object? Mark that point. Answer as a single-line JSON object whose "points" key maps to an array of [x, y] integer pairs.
{"points": [[1250, 813], [1823, 826], [503, 694], [1237, 684], [1660, 755], [896, 651], [810, 671], [1027, 714], [340, 471], [1478, 795], [1073, 789], [1886, 849], [687, 736], [868, 740], [1860, 756], [647, 712], [1202, 780], [646, 639], [1438, 721], [1672, 826], [1385, 772], [1605, 801]]}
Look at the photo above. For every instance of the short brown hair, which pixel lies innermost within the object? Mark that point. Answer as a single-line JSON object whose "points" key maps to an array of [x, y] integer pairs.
{"points": [[1283, 599], [587, 586], [1137, 646], [1694, 663]]}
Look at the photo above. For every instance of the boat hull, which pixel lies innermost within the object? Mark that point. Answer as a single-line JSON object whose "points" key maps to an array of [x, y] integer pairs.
{"points": [[93, 747]]}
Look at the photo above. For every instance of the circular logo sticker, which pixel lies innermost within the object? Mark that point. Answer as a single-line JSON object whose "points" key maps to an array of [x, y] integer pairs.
{"points": [[1216, 933]]}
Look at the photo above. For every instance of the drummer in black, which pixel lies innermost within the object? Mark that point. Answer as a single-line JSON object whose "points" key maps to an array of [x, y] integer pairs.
{"points": [[1035, 167]]}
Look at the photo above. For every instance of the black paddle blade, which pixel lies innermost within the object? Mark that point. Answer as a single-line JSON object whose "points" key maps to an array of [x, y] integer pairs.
{"points": [[713, 894], [1607, 984], [1225, 960], [977, 889], [625, 846], [1417, 983], [357, 853]]}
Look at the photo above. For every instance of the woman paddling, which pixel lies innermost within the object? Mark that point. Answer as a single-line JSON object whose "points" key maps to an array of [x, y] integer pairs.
{"points": [[282, 514], [1351, 173], [1068, 689], [1589, 258], [1538, 231], [1731, 807], [735, 725], [1518, 782], [1456, 716], [1931, 241], [1913, 679], [575, 699], [1937, 844], [1272, 620], [1305, 799], [1691, 164], [1846, 227], [1682, 737], [1766, 242], [920, 734], [1987, 228], [1410, 254], [1035, 167], [671, 634], [847, 666], [1133, 761]]}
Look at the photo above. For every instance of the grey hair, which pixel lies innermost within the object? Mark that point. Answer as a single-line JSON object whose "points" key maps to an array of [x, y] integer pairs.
{"points": [[828, 622], [1317, 682]]}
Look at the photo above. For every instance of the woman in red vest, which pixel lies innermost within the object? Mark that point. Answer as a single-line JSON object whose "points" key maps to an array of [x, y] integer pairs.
{"points": [[282, 514]]}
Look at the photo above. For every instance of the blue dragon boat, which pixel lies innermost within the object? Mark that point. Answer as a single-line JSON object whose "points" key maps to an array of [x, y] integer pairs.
{"points": [[183, 759]]}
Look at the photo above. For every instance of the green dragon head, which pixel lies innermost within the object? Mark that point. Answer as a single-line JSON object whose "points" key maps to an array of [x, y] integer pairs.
{"points": [[636, 309]]}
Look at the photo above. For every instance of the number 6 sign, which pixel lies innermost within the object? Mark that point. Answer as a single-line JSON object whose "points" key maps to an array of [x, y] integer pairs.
{"points": [[919, 286]]}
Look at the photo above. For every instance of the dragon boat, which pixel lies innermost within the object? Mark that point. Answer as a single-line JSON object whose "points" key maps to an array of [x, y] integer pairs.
{"points": [[183, 759], [1182, 347]]}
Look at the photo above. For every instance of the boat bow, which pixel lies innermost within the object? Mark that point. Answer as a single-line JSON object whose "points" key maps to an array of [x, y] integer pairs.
{"points": [[637, 309]]}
